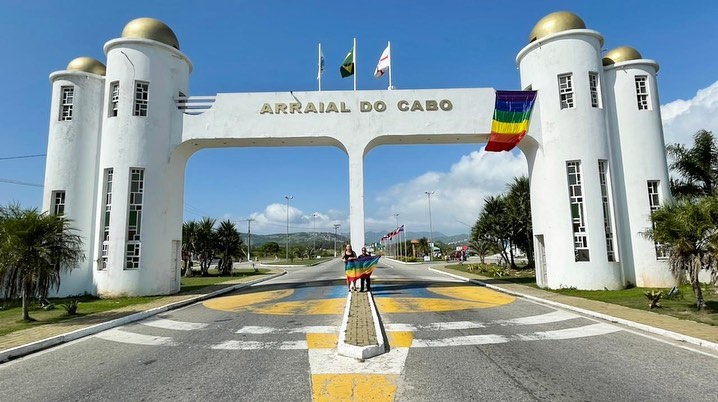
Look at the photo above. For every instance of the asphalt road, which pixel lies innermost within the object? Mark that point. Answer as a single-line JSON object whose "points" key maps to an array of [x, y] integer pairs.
{"points": [[449, 342]]}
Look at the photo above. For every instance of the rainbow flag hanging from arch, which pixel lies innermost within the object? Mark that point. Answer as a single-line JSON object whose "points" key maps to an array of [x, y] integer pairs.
{"points": [[511, 119], [362, 267]]}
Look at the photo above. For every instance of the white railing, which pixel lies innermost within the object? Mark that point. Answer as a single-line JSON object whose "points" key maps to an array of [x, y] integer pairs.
{"points": [[194, 104]]}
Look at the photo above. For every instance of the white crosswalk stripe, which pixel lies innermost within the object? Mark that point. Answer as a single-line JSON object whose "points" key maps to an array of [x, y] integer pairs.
{"points": [[319, 329], [175, 325], [118, 335], [255, 345]]}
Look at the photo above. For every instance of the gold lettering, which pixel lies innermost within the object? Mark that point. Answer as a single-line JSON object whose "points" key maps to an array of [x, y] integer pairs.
{"points": [[266, 109], [321, 107], [431, 105], [446, 105], [280, 107], [310, 108], [403, 105], [416, 106], [331, 107], [379, 106], [343, 107], [364, 106], [295, 107]]}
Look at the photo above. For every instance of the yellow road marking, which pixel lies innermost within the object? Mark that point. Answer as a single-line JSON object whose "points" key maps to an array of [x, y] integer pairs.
{"points": [[353, 387], [473, 293], [239, 302], [303, 307], [322, 341], [400, 339]]}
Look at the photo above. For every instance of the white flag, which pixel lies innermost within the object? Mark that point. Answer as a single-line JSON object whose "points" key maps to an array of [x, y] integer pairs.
{"points": [[321, 64], [384, 63]]}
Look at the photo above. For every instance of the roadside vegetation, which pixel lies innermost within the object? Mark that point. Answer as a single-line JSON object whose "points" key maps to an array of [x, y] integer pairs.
{"points": [[53, 311], [679, 302]]}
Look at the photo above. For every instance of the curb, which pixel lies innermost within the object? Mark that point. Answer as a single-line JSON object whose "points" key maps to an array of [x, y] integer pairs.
{"points": [[361, 352], [20, 351], [643, 327]]}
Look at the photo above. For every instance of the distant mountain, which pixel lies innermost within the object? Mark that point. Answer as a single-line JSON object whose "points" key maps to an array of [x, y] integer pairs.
{"points": [[326, 239]]}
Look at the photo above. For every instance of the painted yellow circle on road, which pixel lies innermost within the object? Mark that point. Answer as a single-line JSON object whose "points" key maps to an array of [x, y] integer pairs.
{"points": [[473, 293], [241, 302]]}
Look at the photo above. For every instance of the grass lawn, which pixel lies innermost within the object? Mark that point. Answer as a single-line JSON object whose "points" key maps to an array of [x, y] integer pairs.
{"points": [[10, 317], [682, 307]]}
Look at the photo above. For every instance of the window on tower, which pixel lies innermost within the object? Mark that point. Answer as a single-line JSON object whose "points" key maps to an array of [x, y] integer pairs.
{"points": [[107, 203], [578, 220], [607, 224], [565, 90], [142, 94], [642, 92], [58, 202], [114, 98], [134, 224], [67, 99], [654, 202], [593, 86]]}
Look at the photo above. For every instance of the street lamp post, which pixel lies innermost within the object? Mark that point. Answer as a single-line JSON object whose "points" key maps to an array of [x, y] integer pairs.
{"points": [[336, 226], [314, 248], [431, 229], [286, 251], [396, 246], [249, 239]]}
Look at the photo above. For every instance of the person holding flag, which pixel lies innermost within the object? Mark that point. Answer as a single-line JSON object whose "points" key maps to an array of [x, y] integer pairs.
{"points": [[361, 268], [348, 256]]}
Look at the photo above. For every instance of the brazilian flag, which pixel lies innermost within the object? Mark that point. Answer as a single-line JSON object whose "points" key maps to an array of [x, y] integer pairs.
{"points": [[347, 68]]}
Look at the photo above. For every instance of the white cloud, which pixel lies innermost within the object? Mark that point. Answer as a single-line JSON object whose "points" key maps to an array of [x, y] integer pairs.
{"points": [[458, 194], [683, 118], [274, 219]]}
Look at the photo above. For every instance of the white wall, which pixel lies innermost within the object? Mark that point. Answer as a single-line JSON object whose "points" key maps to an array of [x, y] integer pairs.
{"points": [[71, 165]]}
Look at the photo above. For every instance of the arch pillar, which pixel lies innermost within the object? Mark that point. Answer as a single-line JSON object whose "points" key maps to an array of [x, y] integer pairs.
{"points": [[356, 196]]}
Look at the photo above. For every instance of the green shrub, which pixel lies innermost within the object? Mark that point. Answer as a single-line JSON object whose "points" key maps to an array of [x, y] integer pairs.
{"points": [[70, 306]]}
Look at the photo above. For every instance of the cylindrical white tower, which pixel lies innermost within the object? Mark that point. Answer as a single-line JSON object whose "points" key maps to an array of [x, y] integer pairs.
{"points": [[634, 121], [72, 157], [571, 200], [140, 225]]}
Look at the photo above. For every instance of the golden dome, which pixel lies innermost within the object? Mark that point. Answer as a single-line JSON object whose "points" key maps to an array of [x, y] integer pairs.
{"points": [[88, 65], [619, 54], [150, 28], [556, 22]]}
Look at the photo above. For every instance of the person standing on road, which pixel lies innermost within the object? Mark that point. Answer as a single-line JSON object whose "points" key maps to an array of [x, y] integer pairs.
{"points": [[349, 255], [365, 278]]}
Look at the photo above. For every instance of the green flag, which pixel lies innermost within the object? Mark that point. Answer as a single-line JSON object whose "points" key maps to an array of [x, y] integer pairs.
{"points": [[347, 68]]}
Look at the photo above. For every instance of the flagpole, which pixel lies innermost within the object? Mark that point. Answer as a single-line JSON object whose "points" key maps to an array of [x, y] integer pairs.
{"points": [[354, 49], [390, 62], [319, 67]]}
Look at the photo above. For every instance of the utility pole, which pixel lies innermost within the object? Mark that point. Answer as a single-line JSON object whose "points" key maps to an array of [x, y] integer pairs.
{"points": [[249, 239], [396, 245], [431, 229], [336, 226], [314, 248], [286, 251]]}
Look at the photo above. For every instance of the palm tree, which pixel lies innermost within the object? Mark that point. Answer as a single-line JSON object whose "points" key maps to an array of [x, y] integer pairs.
{"points": [[36, 249], [423, 246], [493, 225], [688, 229], [206, 243], [189, 244], [229, 246], [518, 203], [697, 166]]}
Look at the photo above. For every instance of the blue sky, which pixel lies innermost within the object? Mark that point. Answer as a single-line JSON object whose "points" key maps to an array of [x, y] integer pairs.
{"points": [[250, 46]]}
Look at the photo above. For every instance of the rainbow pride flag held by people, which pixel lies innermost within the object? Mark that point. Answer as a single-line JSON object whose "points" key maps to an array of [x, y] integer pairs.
{"points": [[511, 119], [362, 267]]}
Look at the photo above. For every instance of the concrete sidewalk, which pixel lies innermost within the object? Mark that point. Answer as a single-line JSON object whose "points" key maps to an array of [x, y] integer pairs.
{"points": [[645, 320], [20, 343]]}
